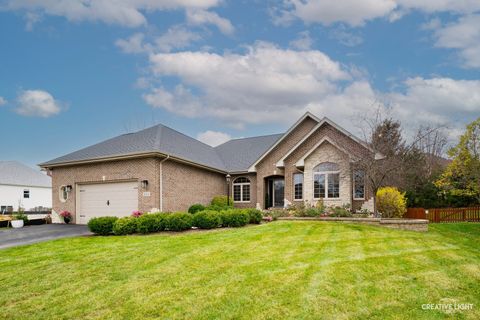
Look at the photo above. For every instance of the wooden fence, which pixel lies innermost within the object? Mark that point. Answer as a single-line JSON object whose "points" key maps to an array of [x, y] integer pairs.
{"points": [[437, 215]]}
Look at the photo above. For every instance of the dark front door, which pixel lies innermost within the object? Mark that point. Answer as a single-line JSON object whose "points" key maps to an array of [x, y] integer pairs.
{"points": [[275, 192]]}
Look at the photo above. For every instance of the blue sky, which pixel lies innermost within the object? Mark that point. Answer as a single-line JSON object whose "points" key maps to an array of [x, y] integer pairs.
{"points": [[73, 73]]}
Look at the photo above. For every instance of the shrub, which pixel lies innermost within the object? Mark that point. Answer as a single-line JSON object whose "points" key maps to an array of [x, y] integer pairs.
{"points": [[178, 221], [391, 202], [126, 225], [20, 216], [221, 202], [207, 219], [194, 208], [147, 223], [102, 225], [255, 215], [275, 213], [339, 212], [235, 218]]}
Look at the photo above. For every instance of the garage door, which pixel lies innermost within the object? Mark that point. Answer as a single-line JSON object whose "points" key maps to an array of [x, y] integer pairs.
{"points": [[106, 199]]}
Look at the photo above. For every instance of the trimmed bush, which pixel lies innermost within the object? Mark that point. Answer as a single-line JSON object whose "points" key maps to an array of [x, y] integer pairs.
{"points": [[255, 215], [194, 208], [391, 202], [234, 218], [207, 219], [221, 202], [178, 221], [102, 225], [147, 223], [126, 225]]}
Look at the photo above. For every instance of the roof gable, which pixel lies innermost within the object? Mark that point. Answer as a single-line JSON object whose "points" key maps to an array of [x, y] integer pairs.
{"points": [[322, 122], [296, 124]]}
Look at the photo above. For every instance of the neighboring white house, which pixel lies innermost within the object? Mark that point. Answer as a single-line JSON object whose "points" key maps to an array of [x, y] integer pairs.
{"points": [[23, 186]]}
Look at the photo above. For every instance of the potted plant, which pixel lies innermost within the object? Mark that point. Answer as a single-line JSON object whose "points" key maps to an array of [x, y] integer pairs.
{"points": [[66, 215], [19, 219]]}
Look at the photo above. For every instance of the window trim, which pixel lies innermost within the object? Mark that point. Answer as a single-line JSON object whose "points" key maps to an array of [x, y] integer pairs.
{"points": [[325, 173], [242, 184], [303, 182], [354, 185], [26, 192], [60, 194]]}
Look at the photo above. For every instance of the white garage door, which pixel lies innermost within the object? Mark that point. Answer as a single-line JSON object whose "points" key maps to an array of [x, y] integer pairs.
{"points": [[106, 199]]}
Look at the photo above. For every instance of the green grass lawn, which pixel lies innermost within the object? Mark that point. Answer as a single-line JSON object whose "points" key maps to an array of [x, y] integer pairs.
{"points": [[288, 269]]}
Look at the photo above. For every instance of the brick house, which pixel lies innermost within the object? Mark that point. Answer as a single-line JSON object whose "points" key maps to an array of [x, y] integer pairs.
{"points": [[161, 169]]}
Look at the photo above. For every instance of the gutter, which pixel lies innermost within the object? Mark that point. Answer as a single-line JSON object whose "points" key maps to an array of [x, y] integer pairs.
{"points": [[161, 181]]}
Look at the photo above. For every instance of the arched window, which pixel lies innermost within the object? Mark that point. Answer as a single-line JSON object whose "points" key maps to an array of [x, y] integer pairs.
{"points": [[241, 190], [326, 180]]}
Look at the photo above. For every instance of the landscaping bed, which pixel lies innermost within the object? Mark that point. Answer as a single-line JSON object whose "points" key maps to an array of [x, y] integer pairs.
{"points": [[404, 224]]}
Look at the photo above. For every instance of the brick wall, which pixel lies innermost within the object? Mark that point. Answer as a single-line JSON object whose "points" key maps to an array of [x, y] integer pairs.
{"points": [[108, 171], [184, 185], [267, 167]]}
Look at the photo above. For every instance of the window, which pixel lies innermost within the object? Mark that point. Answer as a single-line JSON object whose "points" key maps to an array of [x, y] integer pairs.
{"points": [[326, 180], [63, 194], [26, 194], [241, 190], [359, 184], [298, 186]]}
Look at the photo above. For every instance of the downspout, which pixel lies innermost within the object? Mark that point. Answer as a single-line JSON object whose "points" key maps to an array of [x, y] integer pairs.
{"points": [[161, 182]]}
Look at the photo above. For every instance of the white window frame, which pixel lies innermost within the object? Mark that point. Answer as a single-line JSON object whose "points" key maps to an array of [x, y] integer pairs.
{"points": [[325, 173], [60, 194], [354, 185], [303, 182], [241, 184]]}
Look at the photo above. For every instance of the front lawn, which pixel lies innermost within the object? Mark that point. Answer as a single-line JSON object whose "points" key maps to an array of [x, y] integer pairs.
{"points": [[287, 269]]}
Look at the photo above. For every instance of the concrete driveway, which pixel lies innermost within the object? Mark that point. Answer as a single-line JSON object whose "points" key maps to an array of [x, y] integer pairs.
{"points": [[33, 234]]}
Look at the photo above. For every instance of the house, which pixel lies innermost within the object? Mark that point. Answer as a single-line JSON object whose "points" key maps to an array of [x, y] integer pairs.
{"points": [[159, 168], [22, 186]]}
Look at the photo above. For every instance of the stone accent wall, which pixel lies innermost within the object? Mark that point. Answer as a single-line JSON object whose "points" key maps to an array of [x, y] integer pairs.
{"points": [[103, 172], [328, 153], [253, 191], [337, 137], [184, 185], [267, 167]]}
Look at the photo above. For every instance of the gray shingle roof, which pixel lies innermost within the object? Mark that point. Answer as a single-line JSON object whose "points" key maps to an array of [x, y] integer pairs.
{"points": [[234, 155], [158, 138], [240, 154], [16, 173]]}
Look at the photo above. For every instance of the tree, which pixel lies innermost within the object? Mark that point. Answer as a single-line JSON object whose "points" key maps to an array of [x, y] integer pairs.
{"points": [[462, 176]]}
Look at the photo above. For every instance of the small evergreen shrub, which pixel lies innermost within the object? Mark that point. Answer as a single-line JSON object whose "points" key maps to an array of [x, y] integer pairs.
{"points": [[255, 216], [235, 218], [126, 225], [391, 202], [178, 221], [194, 208], [147, 223], [221, 202], [207, 219], [102, 225], [339, 212]]}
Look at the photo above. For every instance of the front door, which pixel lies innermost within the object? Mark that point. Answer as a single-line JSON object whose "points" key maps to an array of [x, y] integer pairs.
{"points": [[275, 187]]}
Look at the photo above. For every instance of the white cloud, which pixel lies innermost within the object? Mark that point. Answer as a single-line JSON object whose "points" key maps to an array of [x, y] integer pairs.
{"points": [[201, 17], [356, 12], [127, 13], [175, 37], [463, 35], [2, 101], [37, 103], [213, 138], [346, 38], [267, 84], [303, 41]]}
